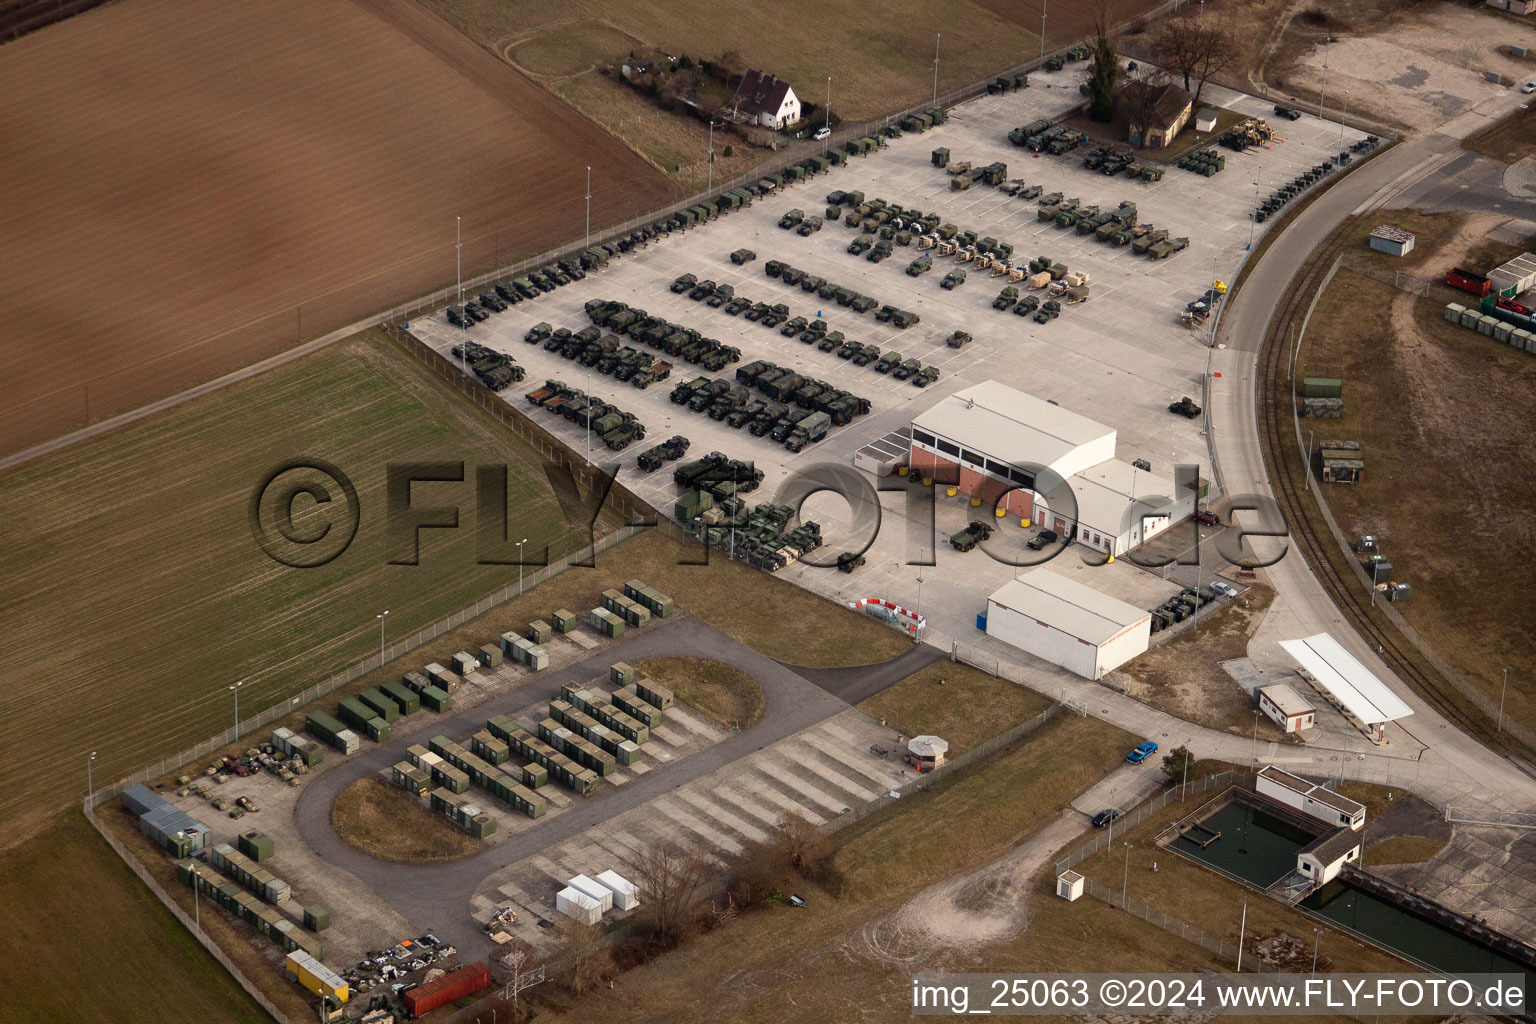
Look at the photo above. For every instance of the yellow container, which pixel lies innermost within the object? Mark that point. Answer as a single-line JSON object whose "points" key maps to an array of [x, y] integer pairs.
{"points": [[927, 481], [975, 503], [1000, 512], [950, 492], [1109, 559], [902, 471]]}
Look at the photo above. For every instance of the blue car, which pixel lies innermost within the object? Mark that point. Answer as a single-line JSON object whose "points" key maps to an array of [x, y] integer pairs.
{"points": [[1142, 752]]}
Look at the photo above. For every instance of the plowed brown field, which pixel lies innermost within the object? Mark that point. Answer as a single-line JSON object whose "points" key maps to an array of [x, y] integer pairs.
{"points": [[188, 188]]}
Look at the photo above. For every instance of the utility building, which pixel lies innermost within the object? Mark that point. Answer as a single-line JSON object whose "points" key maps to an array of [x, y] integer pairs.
{"points": [[1310, 799], [1045, 465], [1365, 701], [1067, 623]]}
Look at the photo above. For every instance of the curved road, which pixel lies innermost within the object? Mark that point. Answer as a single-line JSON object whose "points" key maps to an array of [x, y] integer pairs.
{"points": [[791, 704]]}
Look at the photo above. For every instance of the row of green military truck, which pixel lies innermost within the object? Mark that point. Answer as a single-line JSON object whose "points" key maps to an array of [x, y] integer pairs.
{"points": [[758, 536]]}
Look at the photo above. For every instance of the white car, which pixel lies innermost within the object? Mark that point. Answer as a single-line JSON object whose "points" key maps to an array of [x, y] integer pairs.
{"points": [[1528, 88], [822, 133], [1224, 589]]}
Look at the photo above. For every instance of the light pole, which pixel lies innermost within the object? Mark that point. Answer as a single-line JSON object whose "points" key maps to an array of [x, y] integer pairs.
{"points": [[458, 276], [1242, 932], [1188, 756], [936, 37], [589, 207], [1317, 941], [1310, 435], [919, 599], [710, 179], [1255, 222], [1324, 90], [1043, 5], [380, 617], [235, 689], [1341, 119], [1502, 687], [826, 143], [589, 416], [90, 785], [1125, 879], [520, 566], [1255, 738]]}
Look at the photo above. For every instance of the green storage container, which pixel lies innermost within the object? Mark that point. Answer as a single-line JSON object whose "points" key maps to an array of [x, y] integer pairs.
{"points": [[382, 706], [539, 632], [404, 697], [255, 845], [490, 656], [1322, 387], [317, 918], [621, 673], [436, 700], [565, 621]]}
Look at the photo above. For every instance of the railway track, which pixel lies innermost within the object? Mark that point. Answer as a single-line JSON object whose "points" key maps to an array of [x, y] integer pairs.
{"points": [[1314, 540]]}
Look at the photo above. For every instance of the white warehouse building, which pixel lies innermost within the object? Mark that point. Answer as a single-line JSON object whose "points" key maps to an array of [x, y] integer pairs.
{"points": [[1067, 623]]}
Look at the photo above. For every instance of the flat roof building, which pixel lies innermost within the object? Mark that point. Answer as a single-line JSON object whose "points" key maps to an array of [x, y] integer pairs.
{"points": [[1046, 466], [1285, 707], [1067, 623], [1367, 702], [1309, 798]]}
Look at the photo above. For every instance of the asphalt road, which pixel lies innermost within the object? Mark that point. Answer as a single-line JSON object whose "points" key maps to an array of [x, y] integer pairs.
{"points": [[791, 703], [860, 682]]}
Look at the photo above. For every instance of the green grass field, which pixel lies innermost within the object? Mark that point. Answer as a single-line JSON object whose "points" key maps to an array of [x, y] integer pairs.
{"points": [[135, 593], [93, 945], [879, 58]]}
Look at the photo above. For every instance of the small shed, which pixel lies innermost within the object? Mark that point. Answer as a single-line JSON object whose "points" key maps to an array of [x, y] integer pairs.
{"points": [[1205, 121], [1342, 467], [881, 456], [1069, 885], [1287, 708], [1324, 857], [925, 753], [1392, 241]]}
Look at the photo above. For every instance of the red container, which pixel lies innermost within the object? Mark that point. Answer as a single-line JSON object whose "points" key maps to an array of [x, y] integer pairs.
{"points": [[453, 985], [1467, 281]]}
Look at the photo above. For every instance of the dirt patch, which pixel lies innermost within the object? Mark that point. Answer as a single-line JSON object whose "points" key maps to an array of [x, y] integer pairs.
{"points": [[227, 186], [1510, 140], [391, 824], [1184, 676], [1432, 404], [726, 694], [570, 48]]}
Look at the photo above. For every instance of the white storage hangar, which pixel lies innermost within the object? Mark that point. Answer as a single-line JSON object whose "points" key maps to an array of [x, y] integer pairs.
{"points": [[1068, 624], [1045, 465], [1367, 702]]}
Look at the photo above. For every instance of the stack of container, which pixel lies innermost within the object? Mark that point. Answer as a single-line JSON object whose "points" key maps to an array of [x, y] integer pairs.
{"points": [[315, 976], [447, 777], [429, 694], [248, 873], [465, 815], [354, 712], [404, 697], [625, 752], [256, 845], [659, 604], [582, 781], [442, 678], [576, 904], [583, 752], [487, 747], [606, 622], [382, 706], [164, 823], [524, 651], [628, 701], [625, 894], [653, 693], [633, 613], [292, 744], [596, 704], [410, 778], [325, 728], [227, 894], [596, 890]]}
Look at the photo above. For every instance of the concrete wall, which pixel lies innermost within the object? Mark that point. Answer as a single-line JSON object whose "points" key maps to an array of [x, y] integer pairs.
{"points": [[1133, 640], [1043, 641]]}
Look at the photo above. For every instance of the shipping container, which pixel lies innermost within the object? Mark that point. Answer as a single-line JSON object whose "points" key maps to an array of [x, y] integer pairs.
{"points": [[539, 632], [415, 681], [591, 887], [409, 777], [447, 777], [1453, 312], [256, 845], [489, 748], [565, 621], [436, 700], [325, 728], [576, 904], [382, 706], [450, 987], [404, 697], [633, 589], [1322, 387], [627, 700], [621, 673], [538, 658], [138, 799], [653, 693], [490, 656], [625, 894], [311, 974], [464, 663], [442, 678]]}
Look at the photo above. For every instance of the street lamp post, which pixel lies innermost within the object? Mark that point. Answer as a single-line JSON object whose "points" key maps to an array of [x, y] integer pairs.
{"points": [[1310, 435], [1255, 222], [919, 600], [1043, 5], [1342, 117], [1502, 687], [458, 276], [90, 784], [1125, 880], [589, 208], [1188, 756], [589, 416], [235, 689], [1323, 92], [936, 37], [520, 566], [1256, 738], [826, 143], [380, 617], [710, 177], [1317, 941]]}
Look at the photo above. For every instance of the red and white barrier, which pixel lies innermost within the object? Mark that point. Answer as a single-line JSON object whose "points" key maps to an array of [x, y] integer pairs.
{"points": [[918, 621]]}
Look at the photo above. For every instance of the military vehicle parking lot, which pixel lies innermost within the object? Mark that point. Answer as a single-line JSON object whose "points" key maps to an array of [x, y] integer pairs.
{"points": [[1121, 357]]}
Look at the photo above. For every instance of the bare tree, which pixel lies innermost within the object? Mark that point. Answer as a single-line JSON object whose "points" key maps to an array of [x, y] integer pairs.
{"points": [[1193, 51], [804, 845], [586, 947], [1139, 96], [1106, 66], [515, 958], [668, 876]]}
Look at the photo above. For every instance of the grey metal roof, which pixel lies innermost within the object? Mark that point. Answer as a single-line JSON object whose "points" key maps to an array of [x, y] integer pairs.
{"points": [[1010, 425], [1069, 606], [1367, 698], [1285, 697], [1332, 846]]}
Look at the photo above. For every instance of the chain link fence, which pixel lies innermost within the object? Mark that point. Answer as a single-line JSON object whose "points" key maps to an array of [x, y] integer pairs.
{"points": [[1151, 805]]}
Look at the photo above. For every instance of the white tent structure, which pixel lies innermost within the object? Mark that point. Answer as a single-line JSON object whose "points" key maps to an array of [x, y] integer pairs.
{"points": [[1352, 688]]}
